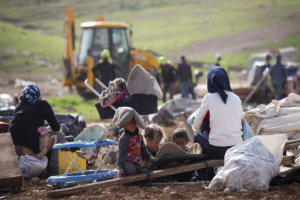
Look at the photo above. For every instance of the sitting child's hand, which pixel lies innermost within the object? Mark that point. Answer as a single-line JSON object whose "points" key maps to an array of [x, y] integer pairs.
{"points": [[152, 159], [121, 173]]}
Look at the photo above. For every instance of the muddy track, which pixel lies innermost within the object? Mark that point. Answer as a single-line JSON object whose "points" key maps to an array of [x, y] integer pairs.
{"points": [[241, 42]]}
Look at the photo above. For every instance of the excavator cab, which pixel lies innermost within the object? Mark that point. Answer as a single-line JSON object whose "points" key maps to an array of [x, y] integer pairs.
{"points": [[103, 35]]}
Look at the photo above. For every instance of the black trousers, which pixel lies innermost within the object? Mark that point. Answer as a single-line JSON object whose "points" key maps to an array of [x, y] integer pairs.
{"points": [[213, 152]]}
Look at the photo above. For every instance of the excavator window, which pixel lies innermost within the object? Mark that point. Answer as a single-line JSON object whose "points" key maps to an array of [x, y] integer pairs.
{"points": [[120, 46], [86, 45], [101, 41], [95, 40]]}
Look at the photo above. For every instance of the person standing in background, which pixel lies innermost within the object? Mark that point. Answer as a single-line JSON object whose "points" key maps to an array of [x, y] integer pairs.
{"points": [[268, 86], [193, 84], [278, 76], [104, 70], [221, 63], [185, 77], [168, 74]]}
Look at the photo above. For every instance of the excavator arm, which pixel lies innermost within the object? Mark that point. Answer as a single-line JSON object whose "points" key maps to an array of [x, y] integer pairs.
{"points": [[69, 54]]}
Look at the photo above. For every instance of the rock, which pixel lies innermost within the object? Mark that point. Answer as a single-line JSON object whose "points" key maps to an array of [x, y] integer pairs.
{"points": [[244, 190], [173, 193], [227, 190], [156, 189], [34, 180], [28, 194], [246, 195], [8, 194], [35, 190], [230, 198], [167, 190], [276, 196]]}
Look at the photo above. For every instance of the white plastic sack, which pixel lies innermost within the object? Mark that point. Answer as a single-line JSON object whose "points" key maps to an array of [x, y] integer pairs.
{"points": [[31, 166], [250, 165]]}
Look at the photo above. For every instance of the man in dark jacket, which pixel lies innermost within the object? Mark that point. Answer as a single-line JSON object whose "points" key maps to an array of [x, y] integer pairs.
{"points": [[104, 70], [185, 76], [168, 73], [278, 76]]}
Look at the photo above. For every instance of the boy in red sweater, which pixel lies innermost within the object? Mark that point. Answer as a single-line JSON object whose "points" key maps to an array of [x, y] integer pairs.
{"points": [[131, 143]]}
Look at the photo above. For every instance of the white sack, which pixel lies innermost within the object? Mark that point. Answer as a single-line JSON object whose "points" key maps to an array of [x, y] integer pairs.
{"points": [[31, 166], [287, 124], [251, 164]]}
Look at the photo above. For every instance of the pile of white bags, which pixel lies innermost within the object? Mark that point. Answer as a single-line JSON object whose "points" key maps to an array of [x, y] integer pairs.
{"points": [[251, 164], [31, 166], [278, 117]]}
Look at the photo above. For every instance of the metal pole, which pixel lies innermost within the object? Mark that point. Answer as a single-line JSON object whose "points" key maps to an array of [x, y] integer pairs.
{"points": [[265, 73]]}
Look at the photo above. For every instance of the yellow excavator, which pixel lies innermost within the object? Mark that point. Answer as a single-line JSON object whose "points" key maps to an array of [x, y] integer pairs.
{"points": [[96, 36]]}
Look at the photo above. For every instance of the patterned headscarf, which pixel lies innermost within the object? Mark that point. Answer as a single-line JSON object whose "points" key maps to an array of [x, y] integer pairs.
{"points": [[30, 93]]}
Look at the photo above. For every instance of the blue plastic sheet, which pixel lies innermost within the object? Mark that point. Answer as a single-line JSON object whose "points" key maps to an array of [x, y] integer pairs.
{"points": [[78, 177], [84, 144]]}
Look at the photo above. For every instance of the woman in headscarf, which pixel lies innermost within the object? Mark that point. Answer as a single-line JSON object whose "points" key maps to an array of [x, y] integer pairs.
{"points": [[29, 115], [225, 112]]}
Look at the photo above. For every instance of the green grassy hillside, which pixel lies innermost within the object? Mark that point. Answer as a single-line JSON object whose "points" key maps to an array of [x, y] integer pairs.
{"points": [[160, 25]]}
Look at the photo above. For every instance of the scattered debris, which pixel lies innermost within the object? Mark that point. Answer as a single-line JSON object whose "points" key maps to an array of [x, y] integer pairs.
{"points": [[246, 195], [34, 180], [172, 109], [167, 190], [53, 81], [227, 190], [230, 198], [156, 189], [21, 83], [244, 190]]}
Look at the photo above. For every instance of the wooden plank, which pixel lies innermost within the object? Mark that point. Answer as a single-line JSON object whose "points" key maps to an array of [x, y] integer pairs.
{"points": [[285, 170], [11, 182], [139, 177], [292, 144], [288, 160], [188, 127]]}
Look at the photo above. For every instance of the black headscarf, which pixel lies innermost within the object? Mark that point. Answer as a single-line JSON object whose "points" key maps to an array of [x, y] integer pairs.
{"points": [[218, 81]]}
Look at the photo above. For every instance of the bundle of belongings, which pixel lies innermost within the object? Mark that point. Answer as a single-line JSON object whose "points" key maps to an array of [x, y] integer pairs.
{"points": [[71, 124], [171, 155], [140, 93], [4, 124], [278, 117]]}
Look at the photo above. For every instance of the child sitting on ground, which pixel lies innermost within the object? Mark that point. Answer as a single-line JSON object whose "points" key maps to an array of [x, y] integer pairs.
{"points": [[153, 135], [131, 144], [180, 137]]}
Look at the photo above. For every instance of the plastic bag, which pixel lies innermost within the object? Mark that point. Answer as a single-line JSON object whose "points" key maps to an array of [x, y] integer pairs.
{"points": [[31, 166], [250, 165]]}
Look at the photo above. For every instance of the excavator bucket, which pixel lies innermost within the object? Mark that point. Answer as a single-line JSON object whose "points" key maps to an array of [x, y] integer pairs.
{"points": [[69, 54]]}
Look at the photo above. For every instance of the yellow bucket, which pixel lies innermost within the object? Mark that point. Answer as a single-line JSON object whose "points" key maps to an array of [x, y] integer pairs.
{"points": [[64, 162]]}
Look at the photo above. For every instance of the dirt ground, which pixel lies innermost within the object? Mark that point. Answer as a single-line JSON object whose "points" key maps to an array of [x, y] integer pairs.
{"points": [[196, 191]]}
